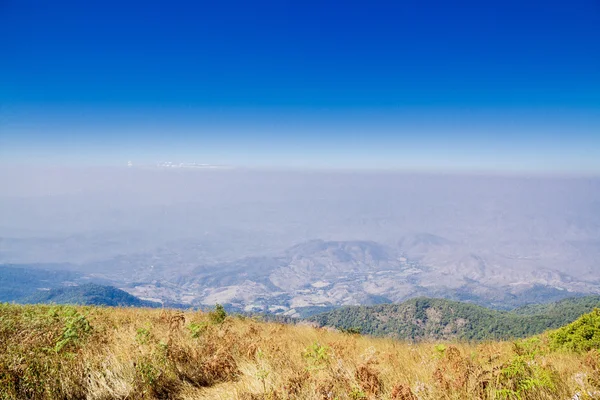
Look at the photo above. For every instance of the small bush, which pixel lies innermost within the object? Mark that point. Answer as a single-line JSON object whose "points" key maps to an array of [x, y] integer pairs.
{"points": [[316, 355], [197, 329], [143, 336], [440, 350], [76, 327], [579, 336], [522, 376], [352, 330], [218, 315], [357, 394]]}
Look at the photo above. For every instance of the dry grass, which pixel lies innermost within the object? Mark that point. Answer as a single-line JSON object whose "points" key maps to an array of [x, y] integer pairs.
{"points": [[54, 352]]}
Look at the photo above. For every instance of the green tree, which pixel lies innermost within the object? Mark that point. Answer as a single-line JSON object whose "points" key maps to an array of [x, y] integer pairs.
{"points": [[218, 315]]}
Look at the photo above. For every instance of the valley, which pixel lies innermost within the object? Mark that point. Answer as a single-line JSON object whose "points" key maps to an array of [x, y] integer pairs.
{"points": [[317, 275], [295, 243]]}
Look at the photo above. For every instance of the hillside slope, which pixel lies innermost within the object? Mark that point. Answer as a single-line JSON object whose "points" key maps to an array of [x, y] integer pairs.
{"points": [[89, 294], [581, 335], [570, 308], [426, 318], [66, 352]]}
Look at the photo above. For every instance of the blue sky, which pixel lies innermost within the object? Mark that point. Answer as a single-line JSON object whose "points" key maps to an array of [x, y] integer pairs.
{"points": [[434, 85]]}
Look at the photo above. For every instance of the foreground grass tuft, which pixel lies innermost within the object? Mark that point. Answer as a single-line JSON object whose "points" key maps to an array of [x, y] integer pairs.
{"points": [[64, 352]]}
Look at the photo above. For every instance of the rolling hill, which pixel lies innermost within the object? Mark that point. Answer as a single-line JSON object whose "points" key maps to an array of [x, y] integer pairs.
{"points": [[427, 318], [89, 294]]}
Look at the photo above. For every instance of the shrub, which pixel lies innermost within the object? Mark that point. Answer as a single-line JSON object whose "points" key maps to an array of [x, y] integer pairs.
{"points": [[357, 394], [316, 355], [143, 336], [197, 328], [218, 315], [76, 327], [352, 330], [579, 336], [523, 376]]}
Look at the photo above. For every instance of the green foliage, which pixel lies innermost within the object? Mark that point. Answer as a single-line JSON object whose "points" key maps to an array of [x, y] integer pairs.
{"points": [[356, 393], [570, 308], [44, 340], [197, 329], [262, 372], [580, 336], [316, 355], [523, 375], [440, 350], [76, 327], [355, 330], [425, 318], [532, 346], [148, 372], [143, 335], [218, 315], [90, 294]]}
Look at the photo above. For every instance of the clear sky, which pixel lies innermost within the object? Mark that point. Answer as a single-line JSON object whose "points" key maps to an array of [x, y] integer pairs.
{"points": [[434, 85]]}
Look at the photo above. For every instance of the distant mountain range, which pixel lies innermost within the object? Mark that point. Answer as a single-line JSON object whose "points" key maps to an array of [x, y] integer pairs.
{"points": [[343, 270], [416, 319], [47, 283], [435, 319], [324, 274], [312, 277], [19, 282], [293, 243]]}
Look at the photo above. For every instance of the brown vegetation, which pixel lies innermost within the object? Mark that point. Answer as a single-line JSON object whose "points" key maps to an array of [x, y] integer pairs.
{"points": [[62, 352]]}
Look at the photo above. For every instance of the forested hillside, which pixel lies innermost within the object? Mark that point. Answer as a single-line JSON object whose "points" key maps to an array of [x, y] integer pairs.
{"points": [[90, 294], [425, 318], [570, 308]]}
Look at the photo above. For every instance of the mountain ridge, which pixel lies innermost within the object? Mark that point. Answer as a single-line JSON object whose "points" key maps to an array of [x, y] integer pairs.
{"points": [[89, 294], [429, 318]]}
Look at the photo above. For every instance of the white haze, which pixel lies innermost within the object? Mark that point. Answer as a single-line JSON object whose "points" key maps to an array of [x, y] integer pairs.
{"points": [[488, 231]]}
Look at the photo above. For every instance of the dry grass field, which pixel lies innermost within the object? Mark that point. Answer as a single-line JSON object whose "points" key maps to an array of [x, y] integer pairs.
{"points": [[65, 352]]}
